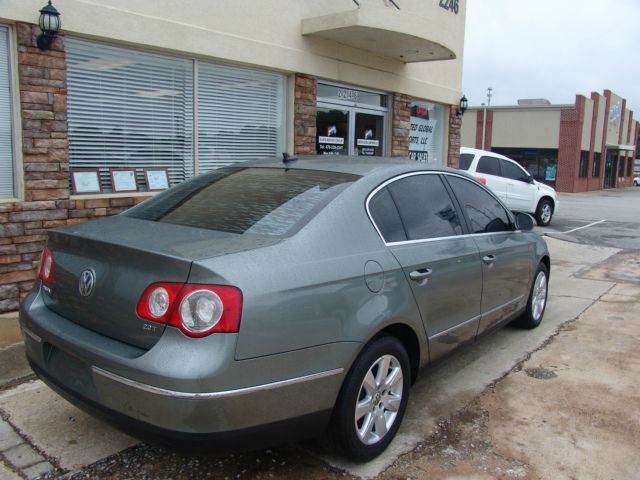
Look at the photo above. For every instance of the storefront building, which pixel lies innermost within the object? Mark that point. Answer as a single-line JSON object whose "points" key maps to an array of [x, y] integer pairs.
{"points": [[589, 145], [132, 97]]}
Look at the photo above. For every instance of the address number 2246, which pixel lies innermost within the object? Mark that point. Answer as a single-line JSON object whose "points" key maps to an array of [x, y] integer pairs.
{"points": [[451, 5]]}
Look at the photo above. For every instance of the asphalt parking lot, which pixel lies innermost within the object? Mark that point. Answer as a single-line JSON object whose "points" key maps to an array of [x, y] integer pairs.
{"points": [[555, 402]]}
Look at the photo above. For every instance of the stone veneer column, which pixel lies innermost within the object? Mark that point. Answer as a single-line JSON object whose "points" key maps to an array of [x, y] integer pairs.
{"points": [[304, 116], [401, 125], [45, 162], [455, 125]]}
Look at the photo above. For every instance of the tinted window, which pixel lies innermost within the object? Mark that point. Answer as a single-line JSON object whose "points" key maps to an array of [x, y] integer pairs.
{"points": [[425, 207], [484, 211], [386, 217], [513, 171], [259, 201], [488, 165], [465, 161]]}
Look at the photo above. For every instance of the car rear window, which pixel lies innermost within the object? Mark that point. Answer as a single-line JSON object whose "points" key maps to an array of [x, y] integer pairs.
{"points": [[253, 200], [465, 161]]}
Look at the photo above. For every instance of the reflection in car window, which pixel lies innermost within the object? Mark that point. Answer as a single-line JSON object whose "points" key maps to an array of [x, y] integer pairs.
{"points": [[386, 217], [488, 165], [465, 161], [513, 171], [425, 207], [253, 200], [484, 211]]}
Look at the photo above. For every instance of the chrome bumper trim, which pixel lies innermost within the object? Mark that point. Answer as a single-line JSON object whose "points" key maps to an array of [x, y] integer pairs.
{"points": [[214, 395], [28, 332]]}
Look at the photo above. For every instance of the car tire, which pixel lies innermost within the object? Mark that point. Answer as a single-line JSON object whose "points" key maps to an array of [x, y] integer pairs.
{"points": [[544, 212], [537, 301], [372, 401]]}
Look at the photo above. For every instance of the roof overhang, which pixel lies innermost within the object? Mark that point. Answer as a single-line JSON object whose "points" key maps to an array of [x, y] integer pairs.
{"points": [[389, 33], [621, 147]]}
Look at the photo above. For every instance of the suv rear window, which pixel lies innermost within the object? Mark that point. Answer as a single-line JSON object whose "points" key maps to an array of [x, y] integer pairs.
{"points": [[465, 161], [259, 201], [489, 165]]}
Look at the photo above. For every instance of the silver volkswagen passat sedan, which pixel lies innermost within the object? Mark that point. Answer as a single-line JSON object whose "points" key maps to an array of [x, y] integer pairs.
{"points": [[270, 302]]}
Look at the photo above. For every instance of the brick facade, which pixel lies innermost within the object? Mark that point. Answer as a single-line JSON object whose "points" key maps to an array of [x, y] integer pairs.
{"points": [[400, 125], [455, 126], [571, 122], [304, 115], [488, 130]]}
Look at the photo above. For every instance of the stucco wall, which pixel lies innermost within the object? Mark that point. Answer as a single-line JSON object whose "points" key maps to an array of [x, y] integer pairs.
{"points": [[534, 128], [268, 34], [614, 119], [602, 104], [587, 125]]}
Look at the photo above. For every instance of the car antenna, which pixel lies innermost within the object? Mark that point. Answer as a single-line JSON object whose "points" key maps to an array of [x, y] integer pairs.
{"points": [[286, 158]]}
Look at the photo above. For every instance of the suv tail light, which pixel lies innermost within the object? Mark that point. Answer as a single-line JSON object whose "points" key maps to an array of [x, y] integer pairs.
{"points": [[197, 310], [482, 180], [46, 266]]}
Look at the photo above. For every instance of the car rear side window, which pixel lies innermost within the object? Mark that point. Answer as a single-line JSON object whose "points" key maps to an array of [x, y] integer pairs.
{"points": [[465, 161], [484, 212], [253, 200], [513, 171], [385, 215], [425, 207], [488, 165]]}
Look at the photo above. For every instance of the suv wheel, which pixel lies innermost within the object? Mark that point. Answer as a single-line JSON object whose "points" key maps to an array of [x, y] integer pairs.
{"points": [[544, 212]]}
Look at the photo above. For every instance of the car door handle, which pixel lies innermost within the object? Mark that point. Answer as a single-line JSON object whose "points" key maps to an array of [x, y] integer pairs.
{"points": [[418, 275], [489, 259]]}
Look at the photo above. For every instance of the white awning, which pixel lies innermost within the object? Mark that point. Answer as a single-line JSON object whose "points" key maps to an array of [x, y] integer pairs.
{"points": [[624, 148]]}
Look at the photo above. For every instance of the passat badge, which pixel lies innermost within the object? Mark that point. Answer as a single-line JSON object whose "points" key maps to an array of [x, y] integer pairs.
{"points": [[86, 283]]}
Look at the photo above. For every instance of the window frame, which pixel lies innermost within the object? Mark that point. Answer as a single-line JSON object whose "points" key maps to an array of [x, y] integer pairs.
{"points": [[492, 157], [525, 175], [15, 116], [465, 224], [583, 168]]}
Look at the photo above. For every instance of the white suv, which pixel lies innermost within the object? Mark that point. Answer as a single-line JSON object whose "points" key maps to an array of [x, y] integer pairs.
{"points": [[511, 183]]}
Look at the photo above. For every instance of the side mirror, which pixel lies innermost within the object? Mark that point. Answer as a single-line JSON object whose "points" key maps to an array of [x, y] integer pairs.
{"points": [[530, 179], [524, 222]]}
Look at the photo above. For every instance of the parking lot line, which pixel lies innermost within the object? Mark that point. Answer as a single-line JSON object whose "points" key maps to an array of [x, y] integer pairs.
{"points": [[580, 228]]}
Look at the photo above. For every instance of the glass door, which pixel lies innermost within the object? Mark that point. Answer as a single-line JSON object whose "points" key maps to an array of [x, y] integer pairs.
{"points": [[369, 134], [333, 132]]}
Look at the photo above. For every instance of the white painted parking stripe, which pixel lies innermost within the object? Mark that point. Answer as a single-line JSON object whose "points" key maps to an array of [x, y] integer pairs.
{"points": [[580, 228]]}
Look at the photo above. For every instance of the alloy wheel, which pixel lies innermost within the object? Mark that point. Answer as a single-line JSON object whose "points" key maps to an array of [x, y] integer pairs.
{"points": [[539, 296]]}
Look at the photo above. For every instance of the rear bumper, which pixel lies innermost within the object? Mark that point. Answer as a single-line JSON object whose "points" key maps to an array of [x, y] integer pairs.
{"points": [[225, 399]]}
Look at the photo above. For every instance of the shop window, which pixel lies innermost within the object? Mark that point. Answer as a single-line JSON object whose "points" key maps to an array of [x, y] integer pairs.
{"points": [[595, 168], [584, 163], [541, 163], [629, 166], [133, 109], [621, 166], [427, 132], [7, 152]]}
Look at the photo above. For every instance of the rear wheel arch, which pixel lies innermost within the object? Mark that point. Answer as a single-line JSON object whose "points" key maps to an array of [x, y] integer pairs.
{"points": [[409, 339]]}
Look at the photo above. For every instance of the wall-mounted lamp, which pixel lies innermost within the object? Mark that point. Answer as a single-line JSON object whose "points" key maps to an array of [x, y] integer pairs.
{"points": [[462, 107], [49, 24]]}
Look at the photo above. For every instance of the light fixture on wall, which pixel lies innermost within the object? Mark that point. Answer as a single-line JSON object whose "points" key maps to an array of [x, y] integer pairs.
{"points": [[462, 107], [49, 25]]}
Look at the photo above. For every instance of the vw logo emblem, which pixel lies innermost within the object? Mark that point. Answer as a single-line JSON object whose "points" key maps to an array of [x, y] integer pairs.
{"points": [[87, 283]]}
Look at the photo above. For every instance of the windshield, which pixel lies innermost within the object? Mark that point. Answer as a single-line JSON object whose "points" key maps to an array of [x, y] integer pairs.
{"points": [[254, 200]]}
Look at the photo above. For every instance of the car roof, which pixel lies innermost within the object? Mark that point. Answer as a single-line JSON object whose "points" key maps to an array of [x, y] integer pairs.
{"points": [[357, 165], [477, 151]]}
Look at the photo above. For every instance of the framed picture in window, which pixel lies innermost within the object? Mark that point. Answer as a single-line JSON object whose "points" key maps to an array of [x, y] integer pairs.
{"points": [[85, 180], [123, 180], [157, 179]]}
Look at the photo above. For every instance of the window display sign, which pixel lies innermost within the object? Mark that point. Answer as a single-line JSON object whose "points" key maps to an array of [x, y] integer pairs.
{"points": [[425, 136]]}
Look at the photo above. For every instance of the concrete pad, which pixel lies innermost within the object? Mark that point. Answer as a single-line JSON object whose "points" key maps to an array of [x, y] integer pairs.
{"points": [[22, 456], [577, 287], [6, 474], [9, 330], [37, 470], [13, 364], [622, 267], [8, 437], [580, 422], [576, 256], [58, 428]]}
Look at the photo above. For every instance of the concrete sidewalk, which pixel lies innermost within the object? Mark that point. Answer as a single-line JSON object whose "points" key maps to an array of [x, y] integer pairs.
{"points": [[69, 440]]}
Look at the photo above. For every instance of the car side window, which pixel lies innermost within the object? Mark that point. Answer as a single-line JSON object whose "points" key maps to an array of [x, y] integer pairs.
{"points": [[465, 161], [385, 215], [513, 171], [488, 165], [425, 207], [484, 212]]}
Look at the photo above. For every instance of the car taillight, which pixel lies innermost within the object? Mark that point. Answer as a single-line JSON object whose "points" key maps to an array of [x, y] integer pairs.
{"points": [[197, 310], [482, 180], [46, 266]]}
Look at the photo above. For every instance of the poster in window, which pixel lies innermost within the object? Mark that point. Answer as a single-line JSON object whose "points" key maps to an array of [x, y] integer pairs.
{"points": [[422, 144], [123, 179], [85, 180], [157, 179]]}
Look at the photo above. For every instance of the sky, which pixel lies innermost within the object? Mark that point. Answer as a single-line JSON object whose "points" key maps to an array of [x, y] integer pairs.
{"points": [[551, 49]]}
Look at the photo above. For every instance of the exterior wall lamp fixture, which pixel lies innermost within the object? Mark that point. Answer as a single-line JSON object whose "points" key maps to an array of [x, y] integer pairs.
{"points": [[462, 107], [49, 25]]}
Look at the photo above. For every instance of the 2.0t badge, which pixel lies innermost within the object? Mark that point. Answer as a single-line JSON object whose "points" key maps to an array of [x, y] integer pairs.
{"points": [[86, 283]]}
